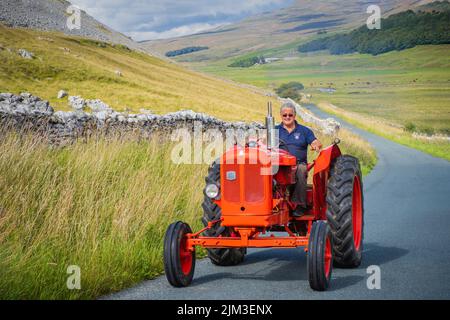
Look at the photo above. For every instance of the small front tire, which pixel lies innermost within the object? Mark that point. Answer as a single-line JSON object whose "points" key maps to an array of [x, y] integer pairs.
{"points": [[320, 256], [179, 262]]}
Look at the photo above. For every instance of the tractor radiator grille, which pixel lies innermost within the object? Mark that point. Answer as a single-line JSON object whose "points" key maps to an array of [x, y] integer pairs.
{"points": [[247, 185]]}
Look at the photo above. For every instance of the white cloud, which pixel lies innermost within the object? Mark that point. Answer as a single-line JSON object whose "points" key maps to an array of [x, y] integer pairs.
{"points": [[169, 18], [173, 33]]}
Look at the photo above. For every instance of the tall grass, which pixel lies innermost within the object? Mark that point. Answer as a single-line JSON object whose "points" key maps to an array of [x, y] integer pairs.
{"points": [[102, 205]]}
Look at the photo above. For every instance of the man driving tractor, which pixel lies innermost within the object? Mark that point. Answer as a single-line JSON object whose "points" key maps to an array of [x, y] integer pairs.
{"points": [[241, 205], [295, 139]]}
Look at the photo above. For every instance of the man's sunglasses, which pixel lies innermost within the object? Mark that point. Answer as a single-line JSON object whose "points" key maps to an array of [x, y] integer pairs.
{"points": [[288, 115]]}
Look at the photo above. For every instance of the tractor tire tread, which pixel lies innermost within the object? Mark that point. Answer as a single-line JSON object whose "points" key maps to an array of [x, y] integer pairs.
{"points": [[339, 210]]}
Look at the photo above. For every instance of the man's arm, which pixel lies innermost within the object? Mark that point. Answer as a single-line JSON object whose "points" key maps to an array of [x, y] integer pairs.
{"points": [[316, 145]]}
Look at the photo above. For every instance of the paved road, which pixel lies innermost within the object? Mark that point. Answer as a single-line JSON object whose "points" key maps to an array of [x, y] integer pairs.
{"points": [[407, 234]]}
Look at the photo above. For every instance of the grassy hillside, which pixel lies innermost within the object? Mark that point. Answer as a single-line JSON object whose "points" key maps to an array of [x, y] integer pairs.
{"points": [[399, 88], [87, 68]]}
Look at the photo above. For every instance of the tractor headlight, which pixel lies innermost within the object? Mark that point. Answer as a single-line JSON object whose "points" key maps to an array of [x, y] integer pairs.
{"points": [[212, 191]]}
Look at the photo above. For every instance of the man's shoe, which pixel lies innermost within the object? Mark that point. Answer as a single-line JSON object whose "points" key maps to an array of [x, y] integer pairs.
{"points": [[299, 211]]}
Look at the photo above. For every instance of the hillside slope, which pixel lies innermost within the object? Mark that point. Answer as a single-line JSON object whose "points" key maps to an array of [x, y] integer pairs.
{"points": [[50, 15], [88, 68], [278, 28]]}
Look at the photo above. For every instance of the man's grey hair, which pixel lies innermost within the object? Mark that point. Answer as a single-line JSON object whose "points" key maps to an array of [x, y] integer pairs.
{"points": [[288, 105]]}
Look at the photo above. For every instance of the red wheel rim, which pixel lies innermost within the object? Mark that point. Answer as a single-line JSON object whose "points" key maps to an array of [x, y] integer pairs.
{"points": [[327, 257], [185, 257], [357, 213]]}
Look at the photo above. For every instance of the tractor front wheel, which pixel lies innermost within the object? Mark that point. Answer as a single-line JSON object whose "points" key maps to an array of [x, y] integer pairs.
{"points": [[320, 256], [179, 262]]}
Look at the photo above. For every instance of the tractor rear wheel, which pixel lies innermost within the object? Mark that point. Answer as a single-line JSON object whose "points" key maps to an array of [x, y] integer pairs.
{"points": [[212, 212], [179, 262], [320, 256], [345, 211]]}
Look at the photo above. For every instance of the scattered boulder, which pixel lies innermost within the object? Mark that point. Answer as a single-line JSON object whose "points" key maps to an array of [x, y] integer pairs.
{"points": [[77, 103], [26, 54], [61, 94], [98, 105]]}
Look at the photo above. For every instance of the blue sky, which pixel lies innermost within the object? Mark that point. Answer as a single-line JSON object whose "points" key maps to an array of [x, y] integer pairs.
{"points": [[145, 20]]}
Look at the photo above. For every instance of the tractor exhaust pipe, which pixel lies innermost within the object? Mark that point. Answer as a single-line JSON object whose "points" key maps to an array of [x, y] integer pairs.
{"points": [[270, 127]]}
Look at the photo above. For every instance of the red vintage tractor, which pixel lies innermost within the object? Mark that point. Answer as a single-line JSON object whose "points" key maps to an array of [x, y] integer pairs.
{"points": [[247, 205]]}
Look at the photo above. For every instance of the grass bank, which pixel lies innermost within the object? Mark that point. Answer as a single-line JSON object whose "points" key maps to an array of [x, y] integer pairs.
{"points": [[436, 147], [101, 205]]}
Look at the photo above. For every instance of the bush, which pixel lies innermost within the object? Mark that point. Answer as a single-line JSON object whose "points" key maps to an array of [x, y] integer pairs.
{"points": [[248, 62], [290, 90], [410, 127]]}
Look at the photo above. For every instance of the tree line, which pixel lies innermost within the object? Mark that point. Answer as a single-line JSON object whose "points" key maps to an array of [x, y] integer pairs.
{"points": [[398, 32], [187, 50]]}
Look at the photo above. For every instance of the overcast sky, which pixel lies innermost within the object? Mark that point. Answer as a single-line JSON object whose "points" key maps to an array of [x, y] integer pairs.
{"points": [[156, 19]]}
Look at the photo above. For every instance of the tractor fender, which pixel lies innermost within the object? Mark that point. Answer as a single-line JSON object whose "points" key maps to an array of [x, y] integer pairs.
{"points": [[320, 178], [325, 158]]}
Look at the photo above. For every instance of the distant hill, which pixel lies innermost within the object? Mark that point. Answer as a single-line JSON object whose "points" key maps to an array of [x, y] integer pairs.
{"points": [[50, 15], [304, 18], [398, 32], [437, 6]]}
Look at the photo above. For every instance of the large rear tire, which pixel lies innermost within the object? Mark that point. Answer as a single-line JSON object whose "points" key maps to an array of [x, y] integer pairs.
{"points": [[212, 212], [179, 263], [345, 211], [320, 256]]}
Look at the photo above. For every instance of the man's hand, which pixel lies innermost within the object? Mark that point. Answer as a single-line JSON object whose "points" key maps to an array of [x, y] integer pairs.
{"points": [[316, 145]]}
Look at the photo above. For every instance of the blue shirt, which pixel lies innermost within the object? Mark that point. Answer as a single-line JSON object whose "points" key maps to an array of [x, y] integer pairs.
{"points": [[297, 141]]}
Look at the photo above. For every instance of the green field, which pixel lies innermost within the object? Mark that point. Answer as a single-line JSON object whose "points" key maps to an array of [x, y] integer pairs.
{"points": [[410, 87]]}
